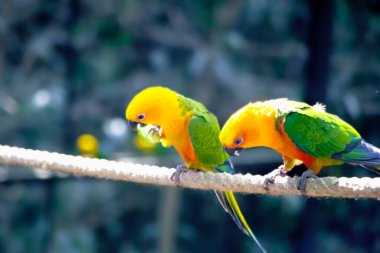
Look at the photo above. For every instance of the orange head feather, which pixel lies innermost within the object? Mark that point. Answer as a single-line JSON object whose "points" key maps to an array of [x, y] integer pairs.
{"points": [[160, 106], [252, 125], [154, 105]]}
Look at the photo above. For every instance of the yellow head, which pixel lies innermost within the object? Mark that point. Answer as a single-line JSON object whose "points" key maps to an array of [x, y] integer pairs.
{"points": [[247, 128], [153, 105]]}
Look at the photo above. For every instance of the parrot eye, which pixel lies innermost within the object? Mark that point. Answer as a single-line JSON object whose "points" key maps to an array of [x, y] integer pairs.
{"points": [[238, 141], [141, 116]]}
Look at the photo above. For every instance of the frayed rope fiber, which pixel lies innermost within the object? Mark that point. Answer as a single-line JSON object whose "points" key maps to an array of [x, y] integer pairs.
{"points": [[80, 166]]}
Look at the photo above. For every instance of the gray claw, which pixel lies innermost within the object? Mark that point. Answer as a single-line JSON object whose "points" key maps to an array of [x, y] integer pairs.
{"points": [[271, 176], [178, 170], [154, 130], [267, 181], [302, 181]]}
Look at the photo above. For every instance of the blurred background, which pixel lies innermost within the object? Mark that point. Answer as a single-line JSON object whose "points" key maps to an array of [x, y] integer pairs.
{"points": [[69, 68]]}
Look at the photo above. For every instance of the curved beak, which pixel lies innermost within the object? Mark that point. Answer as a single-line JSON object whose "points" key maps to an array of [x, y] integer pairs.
{"points": [[133, 125], [234, 151]]}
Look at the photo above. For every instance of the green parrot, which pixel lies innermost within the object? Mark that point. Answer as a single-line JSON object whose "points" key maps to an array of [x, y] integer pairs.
{"points": [[161, 114], [301, 133]]}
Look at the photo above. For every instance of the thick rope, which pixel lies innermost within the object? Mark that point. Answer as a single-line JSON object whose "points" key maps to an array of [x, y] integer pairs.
{"points": [[80, 166]]}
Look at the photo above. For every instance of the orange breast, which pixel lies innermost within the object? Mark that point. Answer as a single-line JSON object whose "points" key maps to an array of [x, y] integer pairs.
{"points": [[286, 147], [289, 149], [178, 135]]}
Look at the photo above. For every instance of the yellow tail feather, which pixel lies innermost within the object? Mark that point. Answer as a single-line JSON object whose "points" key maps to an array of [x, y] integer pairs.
{"points": [[238, 217]]}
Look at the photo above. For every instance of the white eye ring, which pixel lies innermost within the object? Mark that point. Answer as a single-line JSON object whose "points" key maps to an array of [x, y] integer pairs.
{"points": [[141, 116], [238, 141]]}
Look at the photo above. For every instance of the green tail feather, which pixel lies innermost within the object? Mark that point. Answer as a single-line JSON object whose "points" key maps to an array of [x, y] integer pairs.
{"points": [[230, 205]]}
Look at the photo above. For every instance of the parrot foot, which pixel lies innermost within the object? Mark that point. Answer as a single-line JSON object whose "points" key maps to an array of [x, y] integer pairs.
{"points": [[302, 181], [155, 130], [271, 176], [178, 170]]}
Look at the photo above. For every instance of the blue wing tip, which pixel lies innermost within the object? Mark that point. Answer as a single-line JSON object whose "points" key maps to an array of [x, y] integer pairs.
{"points": [[226, 167], [360, 152]]}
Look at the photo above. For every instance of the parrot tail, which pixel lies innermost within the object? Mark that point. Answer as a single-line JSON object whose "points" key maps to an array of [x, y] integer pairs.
{"points": [[361, 153], [230, 205], [374, 169]]}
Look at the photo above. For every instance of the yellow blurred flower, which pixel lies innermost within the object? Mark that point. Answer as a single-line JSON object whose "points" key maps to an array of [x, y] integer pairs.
{"points": [[87, 145]]}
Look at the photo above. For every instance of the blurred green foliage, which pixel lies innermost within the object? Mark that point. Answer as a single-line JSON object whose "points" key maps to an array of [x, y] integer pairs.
{"points": [[71, 67]]}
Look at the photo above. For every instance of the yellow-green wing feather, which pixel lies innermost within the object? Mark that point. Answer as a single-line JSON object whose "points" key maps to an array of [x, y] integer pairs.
{"points": [[318, 133], [204, 135]]}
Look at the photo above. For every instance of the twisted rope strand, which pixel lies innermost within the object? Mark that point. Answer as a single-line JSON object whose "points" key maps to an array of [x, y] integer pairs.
{"points": [[99, 168]]}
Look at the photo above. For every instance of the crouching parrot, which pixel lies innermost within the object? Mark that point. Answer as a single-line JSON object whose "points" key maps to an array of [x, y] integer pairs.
{"points": [[301, 133], [160, 114]]}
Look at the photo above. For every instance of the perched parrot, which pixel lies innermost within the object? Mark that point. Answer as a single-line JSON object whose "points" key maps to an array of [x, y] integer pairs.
{"points": [[161, 114], [301, 133]]}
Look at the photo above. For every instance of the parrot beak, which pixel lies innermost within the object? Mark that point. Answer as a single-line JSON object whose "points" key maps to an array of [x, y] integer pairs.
{"points": [[234, 151], [133, 125]]}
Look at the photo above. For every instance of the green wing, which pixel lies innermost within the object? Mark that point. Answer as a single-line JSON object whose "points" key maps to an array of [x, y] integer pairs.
{"points": [[192, 106], [204, 135], [318, 133], [204, 132]]}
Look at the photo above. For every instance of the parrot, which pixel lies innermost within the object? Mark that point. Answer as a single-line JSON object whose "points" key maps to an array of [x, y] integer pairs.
{"points": [[163, 115], [301, 133]]}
